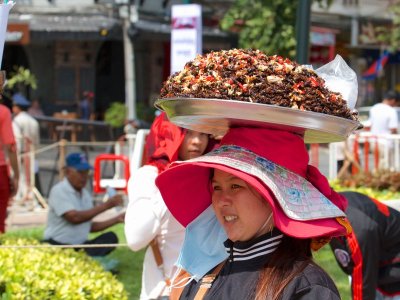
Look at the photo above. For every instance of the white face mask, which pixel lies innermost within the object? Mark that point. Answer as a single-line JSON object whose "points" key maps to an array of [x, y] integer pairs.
{"points": [[203, 247]]}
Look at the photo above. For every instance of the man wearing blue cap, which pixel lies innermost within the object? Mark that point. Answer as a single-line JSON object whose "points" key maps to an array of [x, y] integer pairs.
{"points": [[27, 134], [71, 210]]}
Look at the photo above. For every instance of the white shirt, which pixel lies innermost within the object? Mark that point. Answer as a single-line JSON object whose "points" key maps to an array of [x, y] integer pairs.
{"points": [[382, 118], [147, 218], [28, 127], [63, 198]]}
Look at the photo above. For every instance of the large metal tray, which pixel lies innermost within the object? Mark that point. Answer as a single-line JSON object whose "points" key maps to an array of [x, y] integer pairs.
{"points": [[216, 116]]}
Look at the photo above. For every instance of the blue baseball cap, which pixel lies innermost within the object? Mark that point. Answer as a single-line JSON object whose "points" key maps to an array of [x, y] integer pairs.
{"points": [[77, 161], [20, 100]]}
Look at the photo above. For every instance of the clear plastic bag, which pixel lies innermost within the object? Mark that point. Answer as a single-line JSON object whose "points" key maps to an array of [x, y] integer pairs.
{"points": [[339, 77]]}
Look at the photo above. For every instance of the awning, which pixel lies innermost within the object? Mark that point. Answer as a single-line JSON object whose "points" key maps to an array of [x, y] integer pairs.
{"points": [[69, 27]]}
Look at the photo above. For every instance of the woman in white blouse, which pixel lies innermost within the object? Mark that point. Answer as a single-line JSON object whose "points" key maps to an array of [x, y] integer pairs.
{"points": [[147, 218]]}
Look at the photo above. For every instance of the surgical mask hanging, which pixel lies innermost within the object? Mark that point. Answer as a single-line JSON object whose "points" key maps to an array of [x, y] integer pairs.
{"points": [[203, 246]]}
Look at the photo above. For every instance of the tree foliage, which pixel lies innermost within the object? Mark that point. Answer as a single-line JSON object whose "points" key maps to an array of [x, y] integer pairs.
{"points": [[390, 38], [268, 25], [21, 77]]}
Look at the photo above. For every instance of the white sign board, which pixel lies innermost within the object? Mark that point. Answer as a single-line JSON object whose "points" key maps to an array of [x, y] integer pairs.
{"points": [[186, 35]]}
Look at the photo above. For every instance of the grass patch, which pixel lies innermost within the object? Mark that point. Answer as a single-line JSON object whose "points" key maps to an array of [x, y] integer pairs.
{"points": [[130, 263]]}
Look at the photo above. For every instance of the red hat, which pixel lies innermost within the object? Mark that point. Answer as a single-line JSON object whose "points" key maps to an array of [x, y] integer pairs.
{"points": [[276, 164]]}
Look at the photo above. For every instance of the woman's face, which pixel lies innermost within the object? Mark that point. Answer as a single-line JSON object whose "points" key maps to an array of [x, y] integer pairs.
{"points": [[194, 144], [240, 209]]}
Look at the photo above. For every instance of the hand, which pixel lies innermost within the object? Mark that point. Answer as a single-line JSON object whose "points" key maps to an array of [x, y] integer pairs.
{"points": [[13, 186], [121, 217], [116, 200]]}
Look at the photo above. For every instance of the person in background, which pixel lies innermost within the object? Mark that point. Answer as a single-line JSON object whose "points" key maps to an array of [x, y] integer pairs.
{"points": [[382, 121], [35, 110], [27, 132], [86, 109], [8, 158], [383, 117], [71, 210], [253, 209], [132, 126], [147, 219], [86, 106], [371, 253]]}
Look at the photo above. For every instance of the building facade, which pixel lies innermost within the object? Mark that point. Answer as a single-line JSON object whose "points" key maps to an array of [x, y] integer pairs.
{"points": [[74, 46]]}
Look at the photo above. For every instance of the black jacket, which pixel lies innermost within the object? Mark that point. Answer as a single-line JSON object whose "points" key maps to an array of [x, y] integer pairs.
{"points": [[239, 275], [371, 255]]}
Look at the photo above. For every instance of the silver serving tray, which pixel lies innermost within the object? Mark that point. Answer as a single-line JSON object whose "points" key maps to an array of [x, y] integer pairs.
{"points": [[216, 116]]}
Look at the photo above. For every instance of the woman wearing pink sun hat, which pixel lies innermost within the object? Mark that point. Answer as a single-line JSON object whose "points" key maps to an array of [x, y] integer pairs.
{"points": [[253, 208], [273, 207]]}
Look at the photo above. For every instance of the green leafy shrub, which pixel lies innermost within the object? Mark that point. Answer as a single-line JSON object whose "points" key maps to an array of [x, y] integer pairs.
{"points": [[53, 273], [115, 115]]}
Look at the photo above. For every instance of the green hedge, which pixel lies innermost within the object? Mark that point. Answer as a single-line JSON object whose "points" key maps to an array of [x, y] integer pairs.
{"points": [[53, 273], [382, 194]]}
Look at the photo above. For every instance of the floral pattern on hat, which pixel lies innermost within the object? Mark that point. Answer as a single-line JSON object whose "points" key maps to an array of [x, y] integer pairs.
{"points": [[298, 198]]}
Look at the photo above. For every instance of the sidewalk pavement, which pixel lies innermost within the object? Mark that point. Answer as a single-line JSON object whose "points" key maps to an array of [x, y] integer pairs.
{"points": [[20, 217]]}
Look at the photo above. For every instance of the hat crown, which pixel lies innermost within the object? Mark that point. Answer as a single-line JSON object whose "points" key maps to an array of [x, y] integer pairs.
{"points": [[78, 161], [282, 147], [19, 99]]}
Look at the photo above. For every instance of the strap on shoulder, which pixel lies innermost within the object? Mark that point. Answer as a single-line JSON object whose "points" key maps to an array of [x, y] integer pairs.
{"points": [[206, 283]]}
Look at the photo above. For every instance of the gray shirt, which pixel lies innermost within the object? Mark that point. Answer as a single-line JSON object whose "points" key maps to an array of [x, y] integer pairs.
{"points": [[63, 198]]}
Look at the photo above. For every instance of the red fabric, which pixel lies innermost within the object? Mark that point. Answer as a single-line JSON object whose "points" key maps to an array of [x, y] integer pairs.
{"points": [[286, 149], [282, 147], [163, 142], [4, 196], [357, 276], [6, 132], [381, 207]]}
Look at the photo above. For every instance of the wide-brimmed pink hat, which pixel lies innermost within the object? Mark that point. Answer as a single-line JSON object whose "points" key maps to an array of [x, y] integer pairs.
{"points": [[276, 164]]}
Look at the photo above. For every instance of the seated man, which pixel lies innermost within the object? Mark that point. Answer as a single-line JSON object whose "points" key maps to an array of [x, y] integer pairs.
{"points": [[71, 210]]}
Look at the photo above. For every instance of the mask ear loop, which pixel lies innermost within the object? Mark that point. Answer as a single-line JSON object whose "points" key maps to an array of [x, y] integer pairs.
{"points": [[179, 282], [264, 225]]}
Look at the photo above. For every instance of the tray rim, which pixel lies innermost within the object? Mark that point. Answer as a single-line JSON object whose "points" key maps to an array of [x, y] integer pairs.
{"points": [[326, 134]]}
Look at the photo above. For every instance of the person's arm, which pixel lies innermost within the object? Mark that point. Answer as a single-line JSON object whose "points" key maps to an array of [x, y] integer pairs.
{"points": [[81, 216], [316, 292], [99, 226], [312, 283], [142, 219], [12, 156], [10, 149], [393, 122]]}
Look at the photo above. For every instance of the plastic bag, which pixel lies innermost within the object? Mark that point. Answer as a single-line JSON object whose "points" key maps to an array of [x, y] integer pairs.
{"points": [[339, 77]]}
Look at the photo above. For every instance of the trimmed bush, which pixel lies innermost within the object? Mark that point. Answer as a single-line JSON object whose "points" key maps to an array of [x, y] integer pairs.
{"points": [[53, 273]]}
